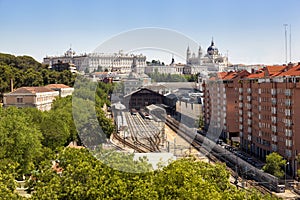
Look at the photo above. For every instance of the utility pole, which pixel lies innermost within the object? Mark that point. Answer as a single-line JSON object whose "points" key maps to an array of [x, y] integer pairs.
{"points": [[285, 37], [290, 43]]}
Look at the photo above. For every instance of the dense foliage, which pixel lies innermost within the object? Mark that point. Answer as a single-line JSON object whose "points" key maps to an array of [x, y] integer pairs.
{"points": [[7, 180], [84, 177], [157, 77], [25, 71], [20, 140]]}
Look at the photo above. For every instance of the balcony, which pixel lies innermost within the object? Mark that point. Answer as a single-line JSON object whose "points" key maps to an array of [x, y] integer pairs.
{"points": [[273, 91]]}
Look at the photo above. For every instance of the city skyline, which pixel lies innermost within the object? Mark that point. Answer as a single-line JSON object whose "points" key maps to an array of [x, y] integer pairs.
{"points": [[252, 32]]}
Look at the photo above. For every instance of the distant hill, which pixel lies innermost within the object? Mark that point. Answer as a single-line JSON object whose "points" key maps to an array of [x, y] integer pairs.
{"points": [[26, 71], [20, 62]]}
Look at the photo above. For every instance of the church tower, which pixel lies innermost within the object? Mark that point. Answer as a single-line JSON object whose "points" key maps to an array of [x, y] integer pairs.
{"points": [[188, 55], [199, 55]]}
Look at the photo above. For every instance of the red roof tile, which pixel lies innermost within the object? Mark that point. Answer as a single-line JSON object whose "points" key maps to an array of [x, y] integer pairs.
{"points": [[294, 71], [260, 74], [272, 70], [230, 75], [221, 75], [31, 90], [57, 86]]}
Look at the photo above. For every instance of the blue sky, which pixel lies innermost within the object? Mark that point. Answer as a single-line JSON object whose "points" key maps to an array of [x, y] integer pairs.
{"points": [[251, 31]]}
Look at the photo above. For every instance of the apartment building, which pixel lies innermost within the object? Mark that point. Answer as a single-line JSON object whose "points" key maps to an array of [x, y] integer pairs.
{"points": [[262, 106], [220, 109], [268, 113]]}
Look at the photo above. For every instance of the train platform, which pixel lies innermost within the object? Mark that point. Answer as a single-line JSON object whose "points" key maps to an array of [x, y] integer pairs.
{"points": [[288, 194], [180, 147]]}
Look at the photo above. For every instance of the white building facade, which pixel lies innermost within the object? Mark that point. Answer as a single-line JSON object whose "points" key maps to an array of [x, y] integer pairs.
{"points": [[119, 62]]}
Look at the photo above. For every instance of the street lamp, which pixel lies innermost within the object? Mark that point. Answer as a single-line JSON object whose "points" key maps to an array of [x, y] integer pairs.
{"points": [[285, 172]]}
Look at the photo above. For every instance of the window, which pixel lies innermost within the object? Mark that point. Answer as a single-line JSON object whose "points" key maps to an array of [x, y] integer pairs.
{"points": [[288, 92], [248, 98], [274, 128], [273, 110], [287, 102], [273, 119], [288, 122], [241, 119], [273, 101], [19, 100], [288, 143], [274, 147], [288, 132], [274, 138], [273, 91], [288, 153], [249, 129], [249, 137]]}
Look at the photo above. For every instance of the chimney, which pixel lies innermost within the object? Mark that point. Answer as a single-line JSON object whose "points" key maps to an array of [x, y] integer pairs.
{"points": [[290, 65], [11, 85]]}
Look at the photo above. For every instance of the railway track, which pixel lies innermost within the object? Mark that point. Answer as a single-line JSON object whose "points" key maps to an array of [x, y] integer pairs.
{"points": [[149, 132], [139, 131], [137, 149], [174, 125], [140, 134]]}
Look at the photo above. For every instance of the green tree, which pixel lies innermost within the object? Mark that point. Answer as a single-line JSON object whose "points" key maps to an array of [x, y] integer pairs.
{"points": [[55, 130], [19, 138], [199, 123], [7, 180], [63, 108], [275, 165]]}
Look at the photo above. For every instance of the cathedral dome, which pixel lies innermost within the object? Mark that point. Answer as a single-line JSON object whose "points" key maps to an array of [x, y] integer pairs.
{"points": [[70, 53], [212, 50]]}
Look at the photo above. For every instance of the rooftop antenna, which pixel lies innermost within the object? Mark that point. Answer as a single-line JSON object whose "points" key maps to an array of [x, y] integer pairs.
{"points": [[227, 54], [285, 36], [290, 43]]}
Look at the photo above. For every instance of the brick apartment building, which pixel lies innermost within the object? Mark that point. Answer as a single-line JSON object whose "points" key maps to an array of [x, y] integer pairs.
{"points": [[266, 110], [220, 109]]}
